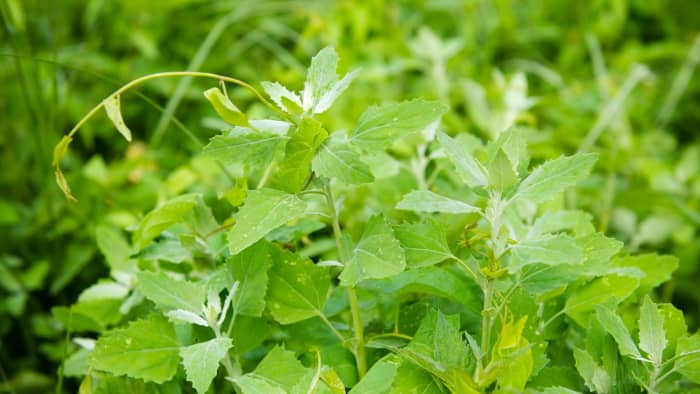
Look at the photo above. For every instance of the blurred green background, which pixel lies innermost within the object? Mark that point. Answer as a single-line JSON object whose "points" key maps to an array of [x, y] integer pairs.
{"points": [[616, 77]]}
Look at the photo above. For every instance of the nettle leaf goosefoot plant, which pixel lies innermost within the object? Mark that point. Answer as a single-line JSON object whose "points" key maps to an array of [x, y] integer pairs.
{"points": [[390, 258]]}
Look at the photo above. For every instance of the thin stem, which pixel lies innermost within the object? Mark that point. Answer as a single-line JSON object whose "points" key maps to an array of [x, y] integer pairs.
{"points": [[66, 340], [332, 328], [467, 268], [486, 323], [392, 335], [218, 229], [317, 375], [653, 378], [266, 175], [169, 74], [360, 357], [665, 375], [227, 360], [613, 107], [676, 357], [680, 84], [554, 317]]}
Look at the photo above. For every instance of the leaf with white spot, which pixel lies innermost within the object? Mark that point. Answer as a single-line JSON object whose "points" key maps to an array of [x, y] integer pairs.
{"points": [[297, 288]]}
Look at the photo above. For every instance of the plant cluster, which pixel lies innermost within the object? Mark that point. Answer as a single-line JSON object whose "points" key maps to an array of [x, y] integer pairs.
{"points": [[391, 257]]}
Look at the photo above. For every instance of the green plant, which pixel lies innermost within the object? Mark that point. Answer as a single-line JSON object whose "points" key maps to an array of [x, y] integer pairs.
{"points": [[389, 258]]}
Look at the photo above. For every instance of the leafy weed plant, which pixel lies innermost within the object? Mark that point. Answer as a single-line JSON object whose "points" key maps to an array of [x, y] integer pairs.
{"points": [[389, 258]]}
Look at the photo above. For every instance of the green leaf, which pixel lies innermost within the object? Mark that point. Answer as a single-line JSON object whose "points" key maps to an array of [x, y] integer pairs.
{"points": [[249, 268], [674, 326], [115, 248], [378, 127], [60, 150], [93, 315], [541, 278], [336, 158], [379, 378], [167, 292], [225, 108], [500, 172], [264, 210], [427, 201], [652, 336], [146, 349], [327, 99], [113, 108], [551, 250], [297, 288], [287, 100], [594, 376], [658, 269], [423, 243], [688, 357], [244, 146], [614, 325], [556, 221], [251, 384], [513, 143], [434, 280], [513, 350], [597, 252], [583, 300], [201, 361], [410, 378], [555, 176], [321, 75], [441, 334], [62, 183], [322, 86], [279, 372], [469, 169], [295, 169], [377, 255], [158, 220]]}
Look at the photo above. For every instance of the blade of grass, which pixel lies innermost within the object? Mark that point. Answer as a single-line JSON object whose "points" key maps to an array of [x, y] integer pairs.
{"points": [[203, 52], [614, 105], [680, 83]]}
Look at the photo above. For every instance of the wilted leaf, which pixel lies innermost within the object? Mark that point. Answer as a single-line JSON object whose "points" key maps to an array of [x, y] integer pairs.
{"points": [[113, 108]]}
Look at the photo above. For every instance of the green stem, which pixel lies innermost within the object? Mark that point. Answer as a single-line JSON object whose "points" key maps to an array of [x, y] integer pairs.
{"points": [[360, 356], [486, 323], [332, 328], [393, 335], [227, 360], [653, 379], [169, 74]]}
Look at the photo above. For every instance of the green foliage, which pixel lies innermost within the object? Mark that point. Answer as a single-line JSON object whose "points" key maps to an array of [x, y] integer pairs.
{"points": [[516, 267], [332, 238]]}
